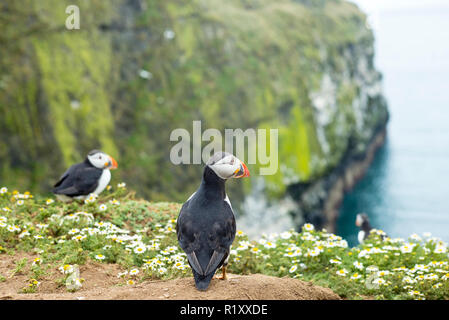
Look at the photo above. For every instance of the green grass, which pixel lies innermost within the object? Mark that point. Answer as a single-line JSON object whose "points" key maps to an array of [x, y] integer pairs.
{"points": [[140, 237]]}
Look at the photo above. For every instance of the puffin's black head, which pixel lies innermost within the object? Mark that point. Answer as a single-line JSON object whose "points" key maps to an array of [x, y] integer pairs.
{"points": [[101, 160], [361, 219], [226, 166]]}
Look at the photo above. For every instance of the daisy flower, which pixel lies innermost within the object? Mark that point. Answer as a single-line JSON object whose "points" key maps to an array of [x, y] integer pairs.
{"points": [[13, 228], [358, 265], [73, 231], [286, 235], [23, 234], [19, 202], [269, 245], [49, 201], [91, 198], [372, 269], [66, 269], [121, 185], [79, 237], [100, 257], [179, 265], [431, 276], [407, 248], [383, 273], [309, 227], [440, 249], [134, 271], [240, 233], [415, 293], [408, 280], [342, 272], [379, 281], [103, 207], [335, 261], [437, 285], [293, 268], [140, 249], [313, 252], [114, 202], [356, 276]]}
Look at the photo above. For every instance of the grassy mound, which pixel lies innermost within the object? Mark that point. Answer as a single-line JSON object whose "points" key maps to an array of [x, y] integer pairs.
{"points": [[140, 237]]}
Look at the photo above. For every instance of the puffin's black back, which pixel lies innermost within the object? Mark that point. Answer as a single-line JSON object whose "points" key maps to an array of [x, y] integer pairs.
{"points": [[80, 179], [206, 228]]}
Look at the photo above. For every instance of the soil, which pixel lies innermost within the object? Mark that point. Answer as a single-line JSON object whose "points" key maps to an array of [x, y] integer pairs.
{"points": [[101, 283]]}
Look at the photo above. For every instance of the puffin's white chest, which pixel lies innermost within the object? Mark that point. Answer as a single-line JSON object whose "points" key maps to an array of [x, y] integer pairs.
{"points": [[103, 182], [361, 236], [228, 202]]}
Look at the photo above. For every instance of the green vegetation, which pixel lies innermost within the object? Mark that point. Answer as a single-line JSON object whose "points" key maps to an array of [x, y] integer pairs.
{"points": [[232, 64], [140, 237]]}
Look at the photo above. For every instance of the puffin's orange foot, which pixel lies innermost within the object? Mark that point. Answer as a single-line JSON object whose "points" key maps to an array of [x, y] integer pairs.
{"points": [[223, 274]]}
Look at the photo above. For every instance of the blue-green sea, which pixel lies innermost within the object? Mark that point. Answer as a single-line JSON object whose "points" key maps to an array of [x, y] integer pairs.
{"points": [[406, 190]]}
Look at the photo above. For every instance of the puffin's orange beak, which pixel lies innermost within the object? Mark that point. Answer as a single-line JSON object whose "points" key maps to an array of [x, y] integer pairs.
{"points": [[113, 163], [242, 172]]}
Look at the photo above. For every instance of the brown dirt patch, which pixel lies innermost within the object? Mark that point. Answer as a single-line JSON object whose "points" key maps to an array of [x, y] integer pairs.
{"points": [[102, 284]]}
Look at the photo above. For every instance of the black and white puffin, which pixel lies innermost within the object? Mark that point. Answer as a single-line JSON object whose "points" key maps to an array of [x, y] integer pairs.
{"points": [[362, 222], [206, 224], [90, 176]]}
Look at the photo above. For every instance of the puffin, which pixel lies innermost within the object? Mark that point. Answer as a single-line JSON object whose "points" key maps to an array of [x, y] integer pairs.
{"points": [[206, 224], [90, 176], [362, 222]]}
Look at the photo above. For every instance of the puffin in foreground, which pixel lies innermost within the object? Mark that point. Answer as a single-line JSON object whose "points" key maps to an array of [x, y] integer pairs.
{"points": [[362, 222], [206, 224], [81, 179]]}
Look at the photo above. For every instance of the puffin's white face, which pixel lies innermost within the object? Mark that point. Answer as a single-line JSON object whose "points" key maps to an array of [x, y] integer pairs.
{"points": [[101, 160], [226, 166], [359, 220]]}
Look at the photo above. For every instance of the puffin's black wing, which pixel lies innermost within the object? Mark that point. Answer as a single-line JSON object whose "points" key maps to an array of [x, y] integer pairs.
{"points": [[206, 243], [79, 179], [65, 175]]}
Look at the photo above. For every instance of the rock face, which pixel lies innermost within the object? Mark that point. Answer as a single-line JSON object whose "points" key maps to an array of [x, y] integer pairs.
{"points": [[138, 69]]}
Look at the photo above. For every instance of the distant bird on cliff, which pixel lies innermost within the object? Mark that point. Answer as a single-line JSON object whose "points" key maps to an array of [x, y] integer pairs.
{"points": [[90, 176], [362, 222], [206, 224]]}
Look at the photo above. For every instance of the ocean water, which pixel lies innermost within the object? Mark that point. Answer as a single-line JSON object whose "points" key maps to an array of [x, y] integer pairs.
{"points": [[406, 190]]}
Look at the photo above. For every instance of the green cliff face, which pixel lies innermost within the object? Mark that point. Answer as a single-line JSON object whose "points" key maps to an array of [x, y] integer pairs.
{"points": [[136, 70]]}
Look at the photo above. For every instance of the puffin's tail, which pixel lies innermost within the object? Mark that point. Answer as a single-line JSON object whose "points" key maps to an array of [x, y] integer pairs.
{"points": [[202, 282]]}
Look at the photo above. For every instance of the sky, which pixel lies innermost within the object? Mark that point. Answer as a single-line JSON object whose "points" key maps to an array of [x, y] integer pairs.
{"points": [[408, 31]]}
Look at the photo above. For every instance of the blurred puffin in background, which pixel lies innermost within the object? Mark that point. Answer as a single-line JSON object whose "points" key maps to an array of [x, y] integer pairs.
{"points": [[206, 224], [362, 222], [90, 176]]}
